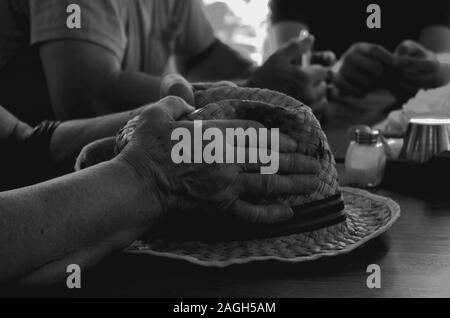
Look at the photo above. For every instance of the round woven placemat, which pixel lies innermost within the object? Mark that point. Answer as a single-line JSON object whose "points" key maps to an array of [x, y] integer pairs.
{"points": [[368, 216]]}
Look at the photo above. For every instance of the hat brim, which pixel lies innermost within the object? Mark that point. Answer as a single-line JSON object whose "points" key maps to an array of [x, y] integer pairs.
{"points": [[368, 216]]}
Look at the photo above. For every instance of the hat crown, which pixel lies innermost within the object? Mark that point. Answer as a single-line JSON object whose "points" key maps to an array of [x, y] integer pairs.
{"points": [[273, 110]]}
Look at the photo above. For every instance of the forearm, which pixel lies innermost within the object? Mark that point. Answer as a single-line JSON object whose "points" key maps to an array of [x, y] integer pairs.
{"points": [[97, 85], [220, 63], [106, 95], [71, 136], [134, 89], [50, 222], [8, 123]]}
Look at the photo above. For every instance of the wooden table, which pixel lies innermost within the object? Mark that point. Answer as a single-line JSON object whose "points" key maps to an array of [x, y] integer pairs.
{"points": [[414, 257]]}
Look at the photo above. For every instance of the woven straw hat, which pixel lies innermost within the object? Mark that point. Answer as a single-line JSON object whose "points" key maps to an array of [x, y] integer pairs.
{"points": [[329, 222]]}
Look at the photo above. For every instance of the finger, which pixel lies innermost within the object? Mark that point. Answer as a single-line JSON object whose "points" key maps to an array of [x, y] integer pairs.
{"points": [[316, 74], [296, 48], [332, 92], [205, 86], [314, 94], [286, 144], [347, 88], [230, 133], [177, 85], [320, 92], [325, 58], [410, 64], [265, 214], [419, 80], [233, 124], [254, 184], [298, 164], [170, 108], [410, 48], [245, 133], [290, 164], [276, 141], [364, 77], [371, 68], [380, 54]]}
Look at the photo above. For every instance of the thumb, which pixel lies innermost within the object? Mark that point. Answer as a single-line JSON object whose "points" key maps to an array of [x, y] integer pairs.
{"points": [[177, 85], [296, 48], [170, 108], [410, 48]]}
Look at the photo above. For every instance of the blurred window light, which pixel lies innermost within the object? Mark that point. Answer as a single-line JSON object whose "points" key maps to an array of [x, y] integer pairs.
{"points": [[242, 24]]}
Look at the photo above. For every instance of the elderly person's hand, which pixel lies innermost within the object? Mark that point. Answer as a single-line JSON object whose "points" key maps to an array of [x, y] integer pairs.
{"points": [[221, 186], [418, 69], [283, 72], [365, 68], [177, 85]]}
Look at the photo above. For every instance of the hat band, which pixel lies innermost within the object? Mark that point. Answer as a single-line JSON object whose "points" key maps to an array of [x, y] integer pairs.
{"points": [[307, 217]]}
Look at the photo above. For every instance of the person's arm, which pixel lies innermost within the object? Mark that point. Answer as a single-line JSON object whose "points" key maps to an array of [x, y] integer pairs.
{"points": [[68, 138], [12, 130], [71, 136], [280, 72], [8, 124], [83, 66], [86, 80], [77, 219], [218, 62]]}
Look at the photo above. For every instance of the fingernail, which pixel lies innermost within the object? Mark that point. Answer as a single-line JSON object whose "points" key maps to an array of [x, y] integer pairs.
{"points": [[288, 215]]}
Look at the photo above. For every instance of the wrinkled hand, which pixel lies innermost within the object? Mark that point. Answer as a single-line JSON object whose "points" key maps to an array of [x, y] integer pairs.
{"points": [[365, 67], [221, 187], [283, 72], [418, 69], [177, 85]]}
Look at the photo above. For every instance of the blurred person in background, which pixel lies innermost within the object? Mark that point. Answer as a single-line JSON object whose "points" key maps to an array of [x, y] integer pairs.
{"points": [[409, 52], [115, 60]]}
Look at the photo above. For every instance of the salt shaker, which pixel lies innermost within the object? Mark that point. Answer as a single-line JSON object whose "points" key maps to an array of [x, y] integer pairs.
{"points": [[366, 159]]}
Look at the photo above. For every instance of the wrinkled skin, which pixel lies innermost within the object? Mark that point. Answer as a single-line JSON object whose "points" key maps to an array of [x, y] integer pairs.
{"points": [[222, 187]]}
